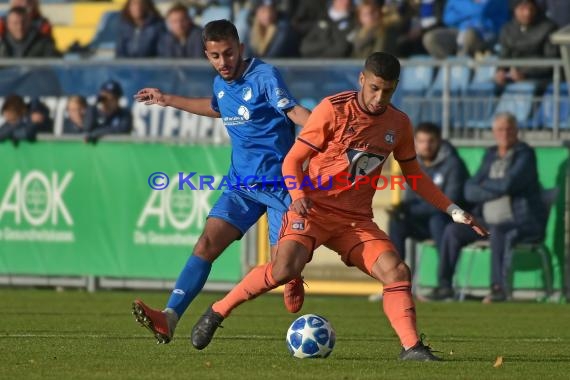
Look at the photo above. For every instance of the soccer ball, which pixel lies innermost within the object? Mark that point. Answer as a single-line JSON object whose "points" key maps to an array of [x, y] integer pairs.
{"points": [[310, 336]]}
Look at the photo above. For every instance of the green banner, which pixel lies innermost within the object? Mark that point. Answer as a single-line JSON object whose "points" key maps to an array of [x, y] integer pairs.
{"points": [[67, 208]]}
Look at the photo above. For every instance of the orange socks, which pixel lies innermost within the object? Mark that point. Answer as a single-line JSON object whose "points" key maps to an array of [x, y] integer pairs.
{"points": [[258, 281], [401, 312]]}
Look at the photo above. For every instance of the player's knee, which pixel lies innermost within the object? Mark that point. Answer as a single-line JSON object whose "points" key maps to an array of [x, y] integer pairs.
{"points": [[391, 271], [206, 248], [283, 272]]}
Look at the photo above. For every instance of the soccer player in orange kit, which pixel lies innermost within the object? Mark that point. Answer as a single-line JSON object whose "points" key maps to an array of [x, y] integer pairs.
{"points": [[341, 130]]}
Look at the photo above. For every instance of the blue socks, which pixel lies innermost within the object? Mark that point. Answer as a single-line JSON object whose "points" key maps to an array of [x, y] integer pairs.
{"points": [[189, 283]]}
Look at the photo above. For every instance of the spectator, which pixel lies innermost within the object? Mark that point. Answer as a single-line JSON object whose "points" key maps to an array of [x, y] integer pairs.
{"points": [[16, 125], [271, 34], [370, 35], [80, 117], [416, 218], [21, 40], [556, 10], [408, 35], [183, 39], [39, 116], [35, 17], [329, 37], [140, 28], [111, 117], [507, 194], [526, 36], [307, 16], [471, 26]]}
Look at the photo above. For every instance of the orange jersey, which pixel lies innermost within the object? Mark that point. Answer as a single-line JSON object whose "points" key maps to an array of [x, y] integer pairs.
{"points": [[350, 144]]}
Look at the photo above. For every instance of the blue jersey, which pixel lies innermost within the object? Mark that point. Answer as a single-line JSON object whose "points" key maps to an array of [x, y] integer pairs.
{"points": [[253, 111]]}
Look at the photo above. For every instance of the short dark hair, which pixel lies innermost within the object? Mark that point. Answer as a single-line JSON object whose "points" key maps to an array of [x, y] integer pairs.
{"points": [[383, 65], [429, 128], [178, 7], [20, 11], [15, 103], [219, 30]]}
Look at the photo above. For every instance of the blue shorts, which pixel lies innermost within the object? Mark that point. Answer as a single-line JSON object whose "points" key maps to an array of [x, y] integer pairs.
{"points": [[242, 208]]}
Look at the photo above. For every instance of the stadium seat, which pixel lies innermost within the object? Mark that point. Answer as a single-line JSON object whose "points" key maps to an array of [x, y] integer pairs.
{"points": [[539, 248], [215, 12], [432, 109], [545, 115], [518, 99], [478, 101], [414, 84], [106, 35]]}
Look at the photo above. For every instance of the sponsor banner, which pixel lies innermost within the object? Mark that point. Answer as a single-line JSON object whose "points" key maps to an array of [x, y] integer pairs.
{"points": [[72, 209]]}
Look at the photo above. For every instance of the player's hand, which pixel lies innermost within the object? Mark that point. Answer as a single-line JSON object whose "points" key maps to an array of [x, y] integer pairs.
{"points": [[301, 206], [150, 96], [460, 216]]}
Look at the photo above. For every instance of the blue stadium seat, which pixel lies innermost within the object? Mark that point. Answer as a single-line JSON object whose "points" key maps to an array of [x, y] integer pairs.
{"points": [[545, 114], [432, 109], [106, 34], [415, 81], [215, 12], [518, 98], [478, 101]]}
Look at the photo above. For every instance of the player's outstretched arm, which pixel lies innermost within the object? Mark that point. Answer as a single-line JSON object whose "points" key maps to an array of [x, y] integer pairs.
{"points": [[298, 115], [293, 173], [424, 186], [198, 106]]}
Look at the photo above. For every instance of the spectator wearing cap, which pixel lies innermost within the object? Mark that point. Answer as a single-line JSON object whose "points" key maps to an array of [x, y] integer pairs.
{"points": [[471, 26], [526, 36], [140, 28], [183, 39], [271, 34], [39, 116], [111, 117], [16, 126], [79, 116], [21, 40]]}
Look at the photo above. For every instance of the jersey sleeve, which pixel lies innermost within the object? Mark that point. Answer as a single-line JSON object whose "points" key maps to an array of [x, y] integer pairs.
{"points": [[277, 92], [319, 126], [214, 102], [405, 149]]}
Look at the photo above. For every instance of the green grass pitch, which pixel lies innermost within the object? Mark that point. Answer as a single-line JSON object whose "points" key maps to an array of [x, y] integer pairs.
{"points": [[76, 335]]}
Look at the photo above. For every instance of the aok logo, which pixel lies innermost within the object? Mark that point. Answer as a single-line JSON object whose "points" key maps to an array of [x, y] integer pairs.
{"points": [[177, 209], [36, 198]]}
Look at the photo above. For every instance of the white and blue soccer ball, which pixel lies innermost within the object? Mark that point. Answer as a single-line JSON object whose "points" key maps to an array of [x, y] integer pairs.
{"points": [[310, 336]]}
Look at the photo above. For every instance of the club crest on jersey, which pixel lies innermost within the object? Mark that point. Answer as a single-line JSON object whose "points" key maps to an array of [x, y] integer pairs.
{"points": [[221, 94], [243, 112], [389, 137], [362, 163], [298, 225], [279, 92], [247, 93]]}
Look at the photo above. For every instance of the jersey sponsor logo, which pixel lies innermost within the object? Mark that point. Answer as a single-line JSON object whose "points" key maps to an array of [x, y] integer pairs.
{"points": [[438, 179], [298, 225], [243, 112], [282, 102], [362, 163], [247, 93], [389, 137], [221, 94]]}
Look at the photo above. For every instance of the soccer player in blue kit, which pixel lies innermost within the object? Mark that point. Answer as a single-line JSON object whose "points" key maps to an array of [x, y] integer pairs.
{"points": [[260, 116]]}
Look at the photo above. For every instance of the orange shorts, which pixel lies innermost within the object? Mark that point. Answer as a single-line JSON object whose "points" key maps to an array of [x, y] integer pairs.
{"points": [[358, 242]]}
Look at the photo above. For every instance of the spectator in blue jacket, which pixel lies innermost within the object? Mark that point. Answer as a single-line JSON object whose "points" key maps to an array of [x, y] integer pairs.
{"points": [[271, 34], [111, 117], [414, 217], [16, 126], [507, 194], [470, 26], [140, 28], [183, 39]]}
